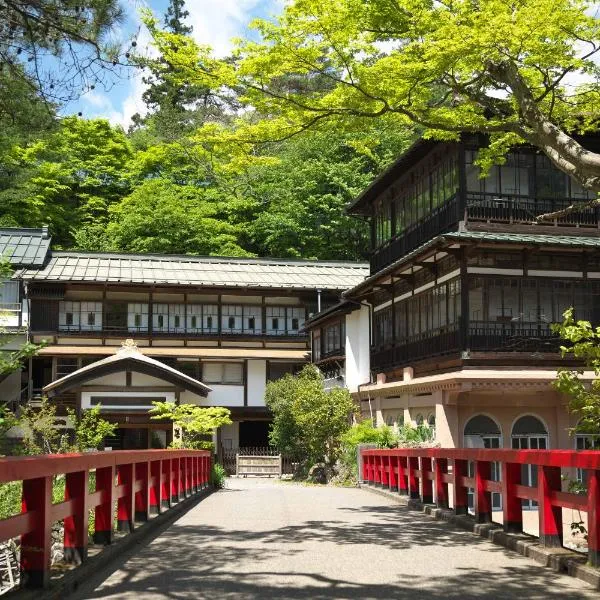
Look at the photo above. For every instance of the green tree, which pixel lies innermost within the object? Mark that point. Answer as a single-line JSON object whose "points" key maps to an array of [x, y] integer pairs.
{"points": [[72, 177], [308, 421], [160, 216], [38, 427], [518, 72], [583, 344], [61, 48], [195, 422], [90, 428]]}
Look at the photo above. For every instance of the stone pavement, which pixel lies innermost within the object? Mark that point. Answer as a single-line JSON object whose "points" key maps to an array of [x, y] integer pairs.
{"points": [[265, 539]]}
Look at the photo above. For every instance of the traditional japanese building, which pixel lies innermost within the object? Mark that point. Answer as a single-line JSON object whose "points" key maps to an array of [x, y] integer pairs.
{"points": [[464, 286], [124, 330]]}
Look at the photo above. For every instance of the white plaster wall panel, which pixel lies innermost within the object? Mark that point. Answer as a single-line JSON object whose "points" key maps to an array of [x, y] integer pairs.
{"points": [[357, 348], [221, 395], [113, 379], [230, 435], [141, 379], [257, 382]]}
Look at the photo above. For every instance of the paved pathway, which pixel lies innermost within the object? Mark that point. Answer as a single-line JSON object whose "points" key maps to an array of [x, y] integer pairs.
{"points": [[260, 539]]}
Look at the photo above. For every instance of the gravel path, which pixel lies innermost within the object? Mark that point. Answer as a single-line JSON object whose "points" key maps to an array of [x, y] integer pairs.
{"points": [[265, 539]]}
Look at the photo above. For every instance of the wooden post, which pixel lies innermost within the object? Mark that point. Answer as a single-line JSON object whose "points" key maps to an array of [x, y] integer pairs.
{"points": [[76, 525], [165, 492], [104, 513], [174, 480], [426, 483], [413, 483], [511, 505], [125, 504], [459, 470], [384, 465], [402, 480], [142, 498], [593, 512], [441, 487], [36, 545], [393, 464], [155, 486], [483, 498], [551, 527]]}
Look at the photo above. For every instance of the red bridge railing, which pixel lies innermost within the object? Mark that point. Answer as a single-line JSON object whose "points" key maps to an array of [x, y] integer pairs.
{"points": [[138, 482], [426, 473]]}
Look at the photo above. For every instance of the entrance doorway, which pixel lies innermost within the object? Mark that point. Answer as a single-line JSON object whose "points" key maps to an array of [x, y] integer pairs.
{"points": [[483, 432], [254, 434], [529, 433]]}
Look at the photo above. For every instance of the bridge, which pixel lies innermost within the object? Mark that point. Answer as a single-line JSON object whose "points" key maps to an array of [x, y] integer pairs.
{"points": [[267, 539]]}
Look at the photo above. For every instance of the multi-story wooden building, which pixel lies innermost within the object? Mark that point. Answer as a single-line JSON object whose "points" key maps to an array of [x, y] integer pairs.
{"points": [[204, 330], [464, 286]]}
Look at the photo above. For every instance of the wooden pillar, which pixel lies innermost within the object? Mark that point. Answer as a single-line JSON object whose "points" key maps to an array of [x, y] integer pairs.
{"points": [[511, 504], [441, 487], [76, 525], [551, 531], [593, 512], [36, 545], [402, 480], [156, 475], [165, 487], [459, 470], [125, 504], [413, 484], [104, 513], [393, 465], [483, 499], [426, 483], [142, 497]]}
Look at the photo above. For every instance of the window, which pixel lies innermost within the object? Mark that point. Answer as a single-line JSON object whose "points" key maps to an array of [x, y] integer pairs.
{"points": [[232, 319], [91, 318], [586, 441], [223, 373], [65, 366], [137, 316], [9, 292], [79, 316], [201, 318], [177, 320], [316, 345], [160, 321], [251, 323], [275, 323], [332, 338], [275, 320], [69, 318], [209, 322], [194, 321]]}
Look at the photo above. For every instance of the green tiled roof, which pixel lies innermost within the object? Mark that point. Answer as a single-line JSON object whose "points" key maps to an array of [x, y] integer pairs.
{"points": [[575, 241], [24, 247]]}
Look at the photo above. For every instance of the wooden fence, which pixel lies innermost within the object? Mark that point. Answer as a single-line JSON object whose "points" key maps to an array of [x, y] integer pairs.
{"points": [[139, 482], [427, 473], [228, 458]]}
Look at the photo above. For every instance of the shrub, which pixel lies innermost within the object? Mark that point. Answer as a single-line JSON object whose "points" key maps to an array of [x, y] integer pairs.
{"points": [[218, 476]]}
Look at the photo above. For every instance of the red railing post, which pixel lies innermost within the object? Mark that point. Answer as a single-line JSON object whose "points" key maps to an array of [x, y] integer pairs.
{"points": [[393, 462], [402, 480], [483, 498], [511, 504], [175, 474], [593, 512], [413, 482], [385, 465], [155, 486], [377, 470], [185, 477], [142, 497], [125, 504], [36, 546], [426, 483], [551, 527], [181, 478], [441, 487], [104, 513], [165, 493], [365, 468], [76, 525], [459, 491]]}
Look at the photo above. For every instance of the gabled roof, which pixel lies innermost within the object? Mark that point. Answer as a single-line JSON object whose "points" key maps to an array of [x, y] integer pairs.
{"points": [[128, 358], [206, 271], [341, 308], [24, 247]]}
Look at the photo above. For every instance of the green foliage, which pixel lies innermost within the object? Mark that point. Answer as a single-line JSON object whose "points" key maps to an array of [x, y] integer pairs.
{"points": [[195, 422], [218, 475], [39, 434], [91, 429], [584, 396], [308, 421]]}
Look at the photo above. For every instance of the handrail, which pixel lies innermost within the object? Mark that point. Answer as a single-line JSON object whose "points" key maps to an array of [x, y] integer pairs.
{"points": [[140, 482], [426, 473]]}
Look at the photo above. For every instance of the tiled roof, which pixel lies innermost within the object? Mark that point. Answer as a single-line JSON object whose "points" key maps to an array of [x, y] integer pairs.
{"points": [[202, 271], [24, 247], [575, 241], [572, 241]]}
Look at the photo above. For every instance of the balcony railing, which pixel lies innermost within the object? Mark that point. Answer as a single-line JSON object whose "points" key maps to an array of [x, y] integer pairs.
{"points": [[513, 208], [434, 343], [436, 222], [512, 336]]}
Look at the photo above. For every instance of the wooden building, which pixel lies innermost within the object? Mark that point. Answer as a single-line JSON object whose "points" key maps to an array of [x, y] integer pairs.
{"points": [[204, 330], [464, 286]]}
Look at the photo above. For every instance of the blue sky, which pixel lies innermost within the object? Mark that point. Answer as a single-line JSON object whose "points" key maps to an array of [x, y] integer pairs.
{"points": [[215, 22]]}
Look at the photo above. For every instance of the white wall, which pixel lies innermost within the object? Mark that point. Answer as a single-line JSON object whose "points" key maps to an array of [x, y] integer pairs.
{"points": [[257, 382], [221, 395], [230, 435], [86, 399], [357, 348]]}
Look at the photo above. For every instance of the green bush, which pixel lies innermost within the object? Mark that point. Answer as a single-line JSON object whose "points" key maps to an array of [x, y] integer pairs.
{"points": [[218, 476]]}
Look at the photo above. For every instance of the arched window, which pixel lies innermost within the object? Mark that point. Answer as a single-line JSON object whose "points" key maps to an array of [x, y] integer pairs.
{"points": [[431, 421], [419, 419], [400, 420], [529, 425], [389, 420], [483, 426]]}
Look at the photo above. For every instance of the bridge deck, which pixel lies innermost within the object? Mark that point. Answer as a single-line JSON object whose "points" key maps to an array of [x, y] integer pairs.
{"points": [[261, 539]]}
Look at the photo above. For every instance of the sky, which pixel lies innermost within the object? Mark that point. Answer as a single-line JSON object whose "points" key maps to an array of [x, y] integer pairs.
{"points": [[214, 22]]}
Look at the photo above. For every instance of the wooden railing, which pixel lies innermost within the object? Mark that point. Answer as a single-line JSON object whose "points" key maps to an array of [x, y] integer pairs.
{"points": [[139, 482], [427, 473]]}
